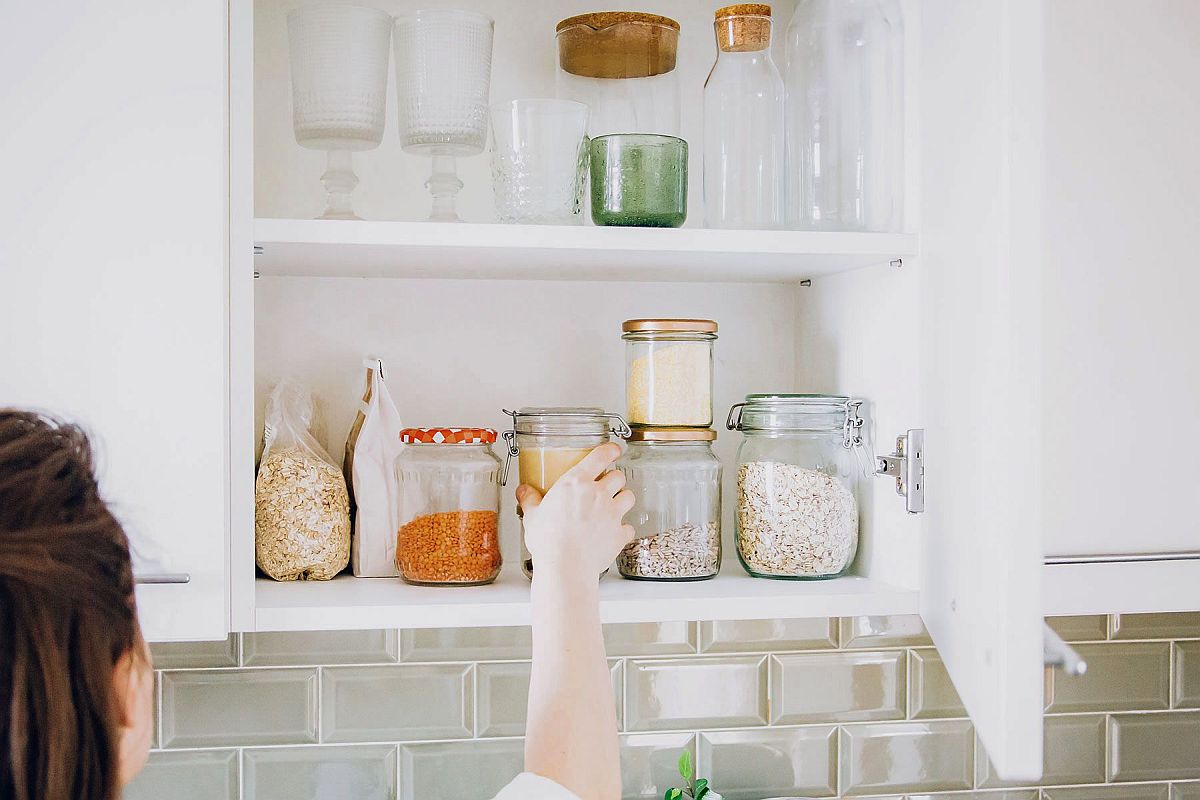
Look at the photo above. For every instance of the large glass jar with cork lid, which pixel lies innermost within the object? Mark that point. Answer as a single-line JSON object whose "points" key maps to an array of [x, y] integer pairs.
{"points": [[548, 441], [669, 372], [797, 474], [621, 64], [676, 479]]}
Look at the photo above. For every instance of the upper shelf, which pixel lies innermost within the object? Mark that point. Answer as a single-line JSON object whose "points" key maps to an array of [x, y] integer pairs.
{"points": [[360, 603], [335, 248]]}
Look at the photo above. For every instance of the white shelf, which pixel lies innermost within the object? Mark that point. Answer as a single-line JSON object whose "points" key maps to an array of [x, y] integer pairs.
{"points": [[365, 249], [348, 603]]}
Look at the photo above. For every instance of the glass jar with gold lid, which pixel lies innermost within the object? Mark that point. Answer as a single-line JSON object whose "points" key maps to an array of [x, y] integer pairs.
{"points": [[669, 372]]}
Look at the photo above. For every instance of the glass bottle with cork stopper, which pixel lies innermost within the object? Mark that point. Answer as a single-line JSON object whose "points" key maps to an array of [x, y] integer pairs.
{"points": [[744, 143]]}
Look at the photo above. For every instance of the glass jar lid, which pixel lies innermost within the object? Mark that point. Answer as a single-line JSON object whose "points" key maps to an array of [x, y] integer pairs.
{"points": [[559, 421], [672, 435], [448, 436], [567, 420], [799, 413]]}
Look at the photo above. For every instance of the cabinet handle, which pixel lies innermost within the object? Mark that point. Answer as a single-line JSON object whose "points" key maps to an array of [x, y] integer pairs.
{"points": [[162, 577], [1060, 654]]}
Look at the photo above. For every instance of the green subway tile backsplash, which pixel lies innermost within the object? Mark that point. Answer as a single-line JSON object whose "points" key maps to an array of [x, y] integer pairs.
{"points": [[852, 707]]}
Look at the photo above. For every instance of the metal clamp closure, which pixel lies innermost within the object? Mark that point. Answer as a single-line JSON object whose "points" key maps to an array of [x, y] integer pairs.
{"points": [[732, 424], [852, 427]]}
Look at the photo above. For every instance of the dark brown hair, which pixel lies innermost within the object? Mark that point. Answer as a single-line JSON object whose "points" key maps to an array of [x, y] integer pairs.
{"points": [[67, 615]]}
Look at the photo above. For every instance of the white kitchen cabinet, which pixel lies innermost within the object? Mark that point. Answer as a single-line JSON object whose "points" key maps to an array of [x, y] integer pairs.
{"points": [[1004, 323], [113, 300]]}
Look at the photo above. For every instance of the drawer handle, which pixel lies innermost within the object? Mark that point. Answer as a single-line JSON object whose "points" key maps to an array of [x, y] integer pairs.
{"points": [[1060, 654], [162, 577]]}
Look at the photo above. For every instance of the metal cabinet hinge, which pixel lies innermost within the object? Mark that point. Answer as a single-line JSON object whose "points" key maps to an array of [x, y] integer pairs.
{"points": [[907, 466]]}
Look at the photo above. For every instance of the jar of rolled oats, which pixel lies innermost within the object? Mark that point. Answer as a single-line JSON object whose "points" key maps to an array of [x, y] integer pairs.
{"points": [[797, 472], [676, 479]]}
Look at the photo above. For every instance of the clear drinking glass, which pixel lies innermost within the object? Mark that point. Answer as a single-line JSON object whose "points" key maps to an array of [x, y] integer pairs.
{"points": [[844, 118], [743, 124], [539, 161], [443, 74], [339, 58]]}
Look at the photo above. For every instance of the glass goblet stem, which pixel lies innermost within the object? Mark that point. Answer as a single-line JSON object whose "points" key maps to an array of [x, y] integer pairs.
{"points": [[339, 180], [444, 185]]}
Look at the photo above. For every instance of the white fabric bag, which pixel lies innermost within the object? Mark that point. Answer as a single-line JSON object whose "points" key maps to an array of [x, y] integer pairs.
{"points": [[372, 457]]}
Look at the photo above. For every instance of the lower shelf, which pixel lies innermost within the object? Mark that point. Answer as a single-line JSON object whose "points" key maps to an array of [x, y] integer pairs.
{"points": [[348, 603]]}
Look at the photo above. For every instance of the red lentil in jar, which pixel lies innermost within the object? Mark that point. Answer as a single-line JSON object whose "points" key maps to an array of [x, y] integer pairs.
{"points": [[449, 481]]}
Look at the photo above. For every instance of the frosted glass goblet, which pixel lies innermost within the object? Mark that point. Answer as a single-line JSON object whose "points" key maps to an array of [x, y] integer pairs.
{"points": [[443, 72], [339, 60]]}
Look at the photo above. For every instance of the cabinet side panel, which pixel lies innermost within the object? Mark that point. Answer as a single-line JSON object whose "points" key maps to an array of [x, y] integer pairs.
{"points": [[857, 335]]}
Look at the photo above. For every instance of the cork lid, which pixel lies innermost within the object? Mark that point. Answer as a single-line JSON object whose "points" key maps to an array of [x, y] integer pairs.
{"points": [[617, 44], [743, 28]]}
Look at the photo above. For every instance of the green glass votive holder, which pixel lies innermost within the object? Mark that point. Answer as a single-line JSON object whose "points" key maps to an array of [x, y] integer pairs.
{"points": [[639, 179]]}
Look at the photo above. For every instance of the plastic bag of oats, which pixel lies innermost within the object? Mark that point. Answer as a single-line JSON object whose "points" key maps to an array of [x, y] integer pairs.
{"points": [[301, 508]]}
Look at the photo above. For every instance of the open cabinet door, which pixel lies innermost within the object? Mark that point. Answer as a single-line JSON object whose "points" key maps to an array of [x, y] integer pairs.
{"points": [[981, 539]]}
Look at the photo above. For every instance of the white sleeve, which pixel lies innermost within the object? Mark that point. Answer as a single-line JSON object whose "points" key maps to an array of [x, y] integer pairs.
{"points": [[528, 786]]}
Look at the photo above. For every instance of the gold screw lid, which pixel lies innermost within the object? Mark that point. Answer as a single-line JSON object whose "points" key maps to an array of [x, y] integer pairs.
{"points": [[673, 435], [669, 325]]}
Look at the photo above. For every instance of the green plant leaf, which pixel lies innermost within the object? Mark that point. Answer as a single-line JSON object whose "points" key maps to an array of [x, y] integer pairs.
{"points": [[701, 791], [685, 765], [673, 794]]}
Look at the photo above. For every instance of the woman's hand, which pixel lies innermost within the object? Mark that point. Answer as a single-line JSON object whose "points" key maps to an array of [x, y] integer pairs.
{"points": [[577, 527]]}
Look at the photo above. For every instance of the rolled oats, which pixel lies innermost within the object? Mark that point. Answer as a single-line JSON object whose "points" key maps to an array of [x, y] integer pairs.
{"points": [[301, 516], [794, 521]]}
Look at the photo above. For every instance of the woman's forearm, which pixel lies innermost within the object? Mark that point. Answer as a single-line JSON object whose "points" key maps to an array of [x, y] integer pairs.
{"points": [[572, 722]]}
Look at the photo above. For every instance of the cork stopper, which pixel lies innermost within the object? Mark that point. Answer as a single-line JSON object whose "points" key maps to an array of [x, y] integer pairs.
{"points": [[617, 44], [743, 28]]}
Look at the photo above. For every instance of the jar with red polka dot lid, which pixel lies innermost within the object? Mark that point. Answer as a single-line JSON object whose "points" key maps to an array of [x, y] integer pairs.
{"points": [[449, 504]]}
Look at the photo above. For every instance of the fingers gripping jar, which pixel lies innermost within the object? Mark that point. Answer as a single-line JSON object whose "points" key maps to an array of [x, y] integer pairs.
{"points": [[548, 441], [676, 479], [449, 504], [797, 516]]}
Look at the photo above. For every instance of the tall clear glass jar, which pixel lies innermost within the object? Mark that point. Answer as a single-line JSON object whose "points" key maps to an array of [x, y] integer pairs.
{"points": [[669, 372], [621, 64], [797, 515], [845, 129], [676, 479], [743, 124], [548, 441], [449, 507]]}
